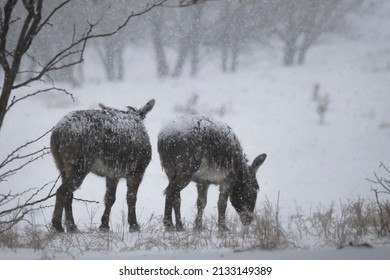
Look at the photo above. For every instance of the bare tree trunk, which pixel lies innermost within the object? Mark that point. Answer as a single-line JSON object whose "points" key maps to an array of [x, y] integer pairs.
{"points": [[158, 43], [183, 52], [195, 60], [195, 40], [161, 60], [308, 40], [236, 38], [109, 60], [190, 43], [30, 27], [235, 53], [289, 53], [111, 54], [302, 55], [5, 95], [120, 60], [230, 36], [225, 40], [224, 56]]}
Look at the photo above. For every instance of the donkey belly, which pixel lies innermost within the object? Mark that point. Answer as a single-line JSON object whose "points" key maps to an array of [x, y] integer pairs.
{"points": [[210, 173], [112, 169]]}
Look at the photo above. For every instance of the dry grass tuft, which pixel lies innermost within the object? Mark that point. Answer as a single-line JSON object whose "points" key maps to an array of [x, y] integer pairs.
{"points": [[353, 222]]}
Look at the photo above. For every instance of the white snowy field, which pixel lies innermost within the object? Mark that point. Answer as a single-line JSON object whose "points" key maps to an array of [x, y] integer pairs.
{"points": [[270, 108]]}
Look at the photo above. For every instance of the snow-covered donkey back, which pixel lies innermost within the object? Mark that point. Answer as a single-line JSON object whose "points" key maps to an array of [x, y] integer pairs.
{"points": [[108, 142], [206, 152]]}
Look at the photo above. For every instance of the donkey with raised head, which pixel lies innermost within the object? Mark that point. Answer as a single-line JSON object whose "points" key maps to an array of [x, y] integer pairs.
{"points": [[107, 142], [206, 152]]}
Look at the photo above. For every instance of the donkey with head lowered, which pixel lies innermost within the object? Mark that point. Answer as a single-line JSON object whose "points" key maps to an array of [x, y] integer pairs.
{"points": [[206, 152], [107, 142]]}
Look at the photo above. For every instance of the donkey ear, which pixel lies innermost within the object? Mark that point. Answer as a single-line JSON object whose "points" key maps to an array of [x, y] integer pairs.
{"points": [[104, 107], [258, 161], [146, 108]]}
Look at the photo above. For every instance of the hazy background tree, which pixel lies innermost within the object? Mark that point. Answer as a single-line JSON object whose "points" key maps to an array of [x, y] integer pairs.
{"points": [[188, 42], [26, 57], [241, 26], [158, 19], [230, 35], [299, 24], [229, 28], [111, 49], [180, 33]]}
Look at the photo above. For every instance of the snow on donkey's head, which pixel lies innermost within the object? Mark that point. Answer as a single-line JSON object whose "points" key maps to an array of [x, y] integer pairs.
{"points": [[207, 152], [108, 142]]}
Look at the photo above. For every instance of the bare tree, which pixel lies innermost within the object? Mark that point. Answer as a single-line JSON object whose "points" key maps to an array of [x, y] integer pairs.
{"points": [[189, 40], [157, 21], [237, 21], [323, 16], [181, 26], [111, 50], [300, 23], [229, 48], [26, 29]]}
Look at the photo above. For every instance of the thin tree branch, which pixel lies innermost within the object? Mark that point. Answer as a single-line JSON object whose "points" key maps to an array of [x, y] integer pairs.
{"points": [[10, 156], [19, 212], [34, 157], [81, 43], [18, 155], [60, 90]]}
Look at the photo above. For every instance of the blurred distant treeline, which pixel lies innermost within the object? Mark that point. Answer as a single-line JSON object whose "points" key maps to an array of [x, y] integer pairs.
{"points": [[219, 29]]}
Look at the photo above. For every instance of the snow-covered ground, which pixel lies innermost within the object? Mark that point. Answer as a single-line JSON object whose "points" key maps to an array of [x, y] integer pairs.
{"points": [[347, 253], [270, 108]]}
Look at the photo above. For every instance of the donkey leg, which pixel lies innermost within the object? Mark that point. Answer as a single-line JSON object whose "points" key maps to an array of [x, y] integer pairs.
{"points": [[173, 200], [64, 197], [58, 208], [169, 198], [109, 199], [132, 189], [74, 184], [69, 220], [201, 204], [176, 207], [222, 204]]}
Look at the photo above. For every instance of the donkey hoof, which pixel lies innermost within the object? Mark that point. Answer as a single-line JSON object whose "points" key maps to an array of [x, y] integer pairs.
{"points": [[199, 228], [103, 228], [56, 228], [169, 227], [134, 228], [180, 228], [223, 228], [71, 228]]}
